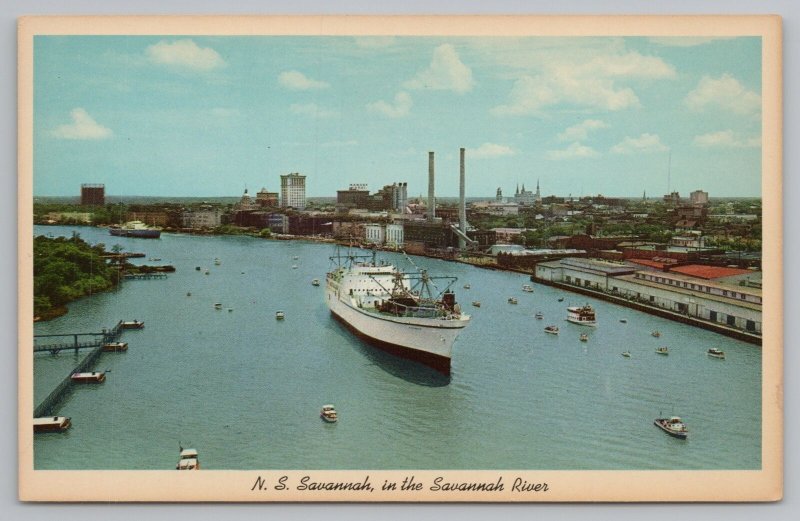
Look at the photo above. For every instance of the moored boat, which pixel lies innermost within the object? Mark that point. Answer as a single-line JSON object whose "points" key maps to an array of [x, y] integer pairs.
{"points": [[115, 346], [405, 314], [133, 324], [136, 229], [662, 350], [716, 353], [51, 424], [188, 460], [673, 426], [95, 377], [553, 330], [328, 414], [582, 315]]}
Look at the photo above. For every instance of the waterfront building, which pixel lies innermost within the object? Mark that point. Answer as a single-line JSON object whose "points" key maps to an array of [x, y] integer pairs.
{"points": [[200, 218], [374, 233], [293, 191], [394, 235], [93, 194], [732, 304], [508, 235]]}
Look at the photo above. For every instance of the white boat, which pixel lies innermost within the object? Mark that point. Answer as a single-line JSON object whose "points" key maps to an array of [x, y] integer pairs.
{"points": [[280, 315], [395, 311], [512, 300], [315, 282], [136, 229], [553, 330], [539, 315], [662, 350], [294, 266], [716, 353], [583, 315], [626, 354], [673, 426], [188, 460], [527, 288], [584, 337], [467, 286], [51, 424], [217, 262], [95, 377], [328, 414], [655, 334]]}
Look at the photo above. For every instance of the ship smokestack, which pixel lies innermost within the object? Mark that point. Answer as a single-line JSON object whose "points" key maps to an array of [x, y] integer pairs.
{"points": [[431, 197], [462, 205]]}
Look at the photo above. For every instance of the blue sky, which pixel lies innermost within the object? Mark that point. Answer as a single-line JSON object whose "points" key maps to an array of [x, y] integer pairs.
{"points": [[209, 116]]}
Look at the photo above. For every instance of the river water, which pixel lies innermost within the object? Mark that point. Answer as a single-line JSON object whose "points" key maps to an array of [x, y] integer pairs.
{"points": [[246, 389]]}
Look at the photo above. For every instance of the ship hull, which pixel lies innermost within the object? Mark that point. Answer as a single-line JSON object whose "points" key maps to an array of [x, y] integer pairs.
{"points": [[429, 342], [139, 234]]}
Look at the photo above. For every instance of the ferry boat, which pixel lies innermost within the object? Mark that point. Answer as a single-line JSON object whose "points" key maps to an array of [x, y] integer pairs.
{"points": [[527, 288], [328, 414], [115, 346], [94, 377], [673, 426], [512, 300], [553, 330], [132, 324], [280, 315], [394, 310], [716, 353], [51, 424], [136, 229], [539, 315], [583, 315], [188, 460], [662, 350]]}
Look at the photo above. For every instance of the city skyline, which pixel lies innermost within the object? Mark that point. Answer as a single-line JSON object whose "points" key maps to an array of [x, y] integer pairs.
{"points": [[209, 116]]}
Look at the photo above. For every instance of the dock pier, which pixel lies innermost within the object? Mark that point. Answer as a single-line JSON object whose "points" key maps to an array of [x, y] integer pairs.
{"points": [[51, 402]]}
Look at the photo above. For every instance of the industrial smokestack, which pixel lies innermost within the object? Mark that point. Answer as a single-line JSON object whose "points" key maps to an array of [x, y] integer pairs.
{"points": [[462, 205], [431, 197]]}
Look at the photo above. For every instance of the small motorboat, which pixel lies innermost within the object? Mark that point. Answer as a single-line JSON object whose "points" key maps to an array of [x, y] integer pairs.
{"points": [[51, 424], [539, 315], [626, 354], [315, 282], [328, 414], [217, 306], [467, 286], [279, 315], [294, 266], [673, 426], [584, 337], [230, 310], [476, 303], [623, 320], [188, 293], [95, 377], [155, 259], [198, 268], [188, 460], [115, 346], [527, 288], [655, 334], [512, 300], [561, 299], [217, 262], [553, 330], [207, 272], [295, 257], [716, 353], [662, 350], [133, 324]]}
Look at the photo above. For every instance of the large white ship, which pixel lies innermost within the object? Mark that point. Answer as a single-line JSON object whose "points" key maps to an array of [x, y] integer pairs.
{"points": [[395, 311], [583, 315]]}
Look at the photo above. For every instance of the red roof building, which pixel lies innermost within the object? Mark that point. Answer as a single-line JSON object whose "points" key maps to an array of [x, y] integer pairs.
{"points": [[708, 272]]}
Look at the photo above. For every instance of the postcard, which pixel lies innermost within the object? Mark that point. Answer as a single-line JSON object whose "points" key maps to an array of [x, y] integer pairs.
{"points": [[400, 258]]}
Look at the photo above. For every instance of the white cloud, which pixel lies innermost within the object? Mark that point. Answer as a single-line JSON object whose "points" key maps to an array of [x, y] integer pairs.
{"points": [[446, 72], [591, 81], [400, 108], [185, 54], [643, 144], [580, 131], [489, 150], [313, 110], [295, 80], [575, 150], [684, 41], [83, 127], [726, 139], [724, 92]]}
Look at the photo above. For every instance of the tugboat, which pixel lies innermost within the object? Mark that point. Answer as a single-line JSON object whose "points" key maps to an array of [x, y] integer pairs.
{"points": [[673, 426], [553, 330], [328, 414], [716, 353]]}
